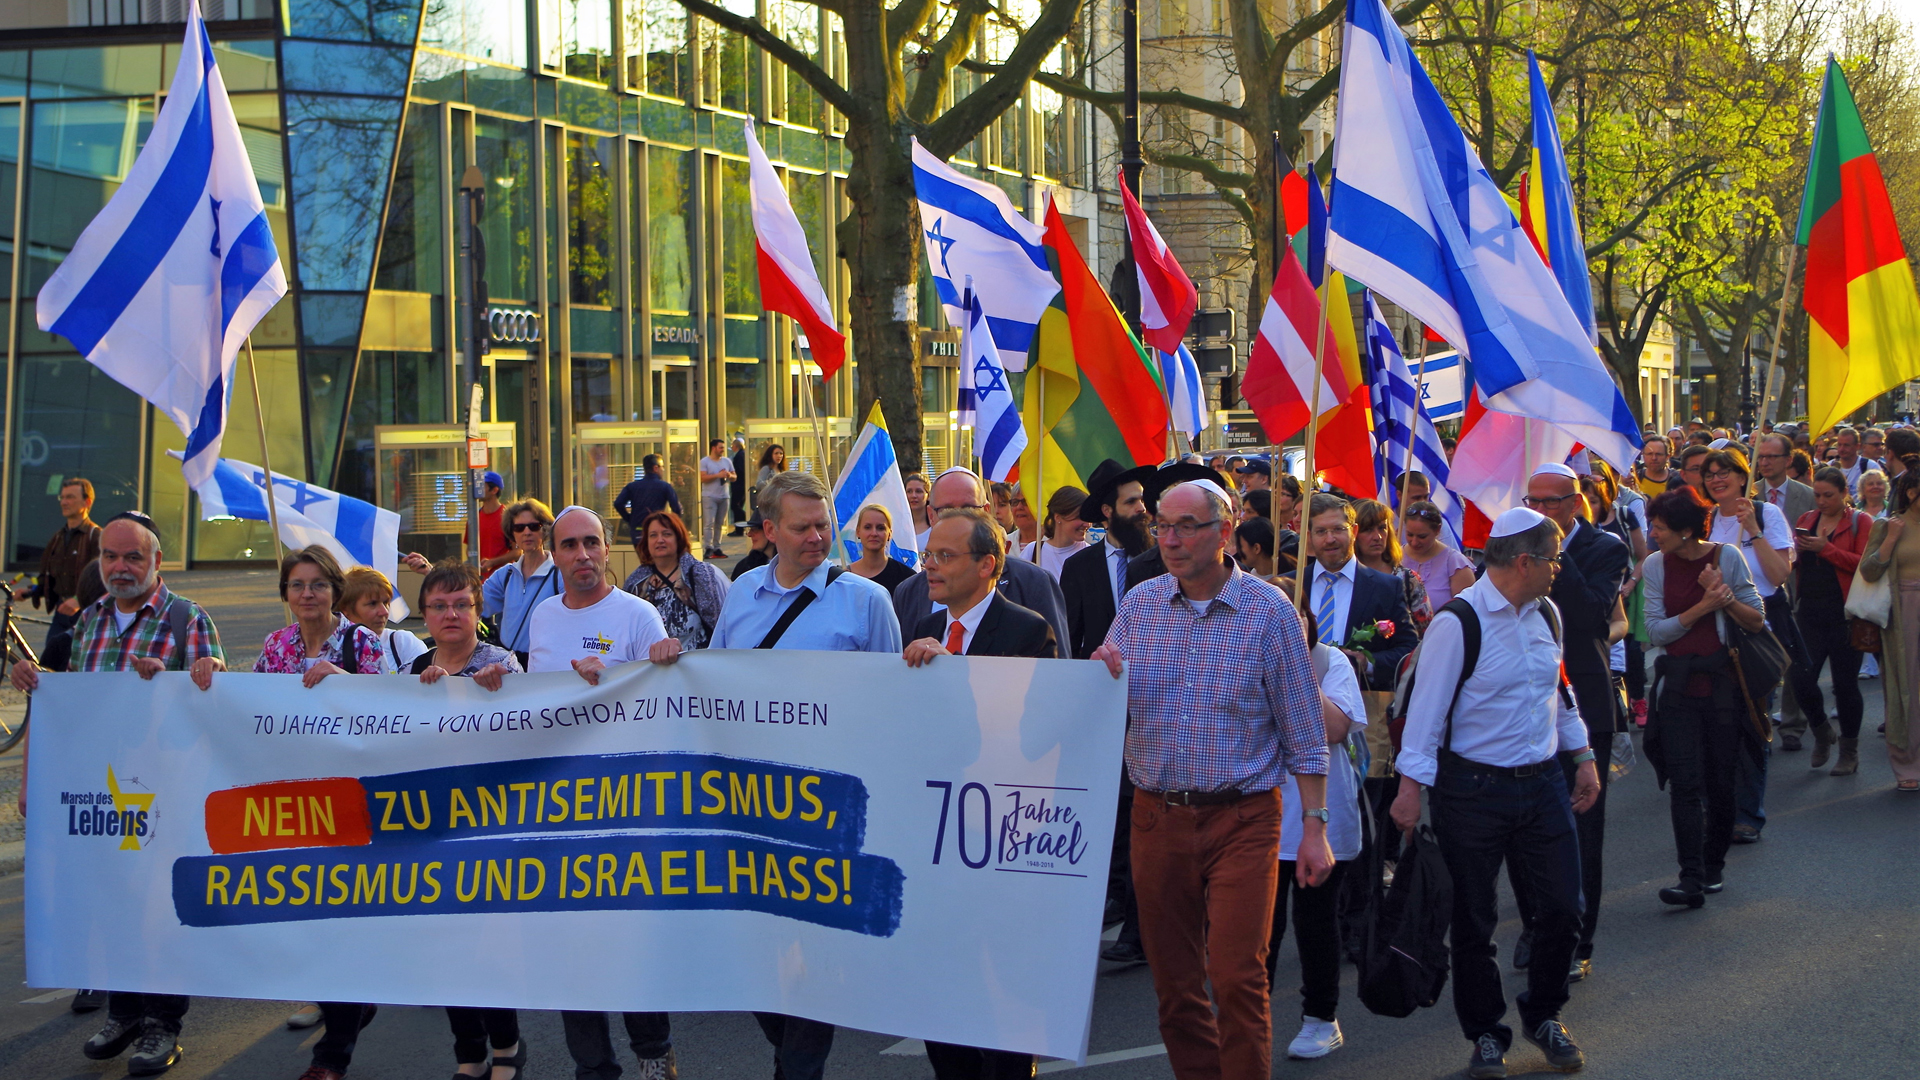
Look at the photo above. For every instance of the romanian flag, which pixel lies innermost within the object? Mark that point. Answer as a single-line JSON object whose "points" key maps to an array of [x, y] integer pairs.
{"points": [[1863, 315], [1090, 389]]}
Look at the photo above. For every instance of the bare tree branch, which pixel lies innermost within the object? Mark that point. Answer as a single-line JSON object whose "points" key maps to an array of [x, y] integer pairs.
{"points": [[905, 19], [937, 69], [969, 116], [782, 50]]}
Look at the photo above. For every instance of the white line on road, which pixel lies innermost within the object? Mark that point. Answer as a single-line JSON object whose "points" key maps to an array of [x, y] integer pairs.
{"points": [[49, 997], [917, 1048]]}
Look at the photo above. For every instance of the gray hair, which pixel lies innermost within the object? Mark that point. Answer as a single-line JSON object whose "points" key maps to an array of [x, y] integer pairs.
{"points": [[1542, 541], [792, 482], [984, 536]]}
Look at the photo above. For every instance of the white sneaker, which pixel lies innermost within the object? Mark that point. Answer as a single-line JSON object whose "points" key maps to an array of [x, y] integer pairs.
{"points": [[1317, 1039]]}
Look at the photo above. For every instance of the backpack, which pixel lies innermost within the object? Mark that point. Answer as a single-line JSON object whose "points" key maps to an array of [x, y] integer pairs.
{"points": [[1403, 965], [1470, 656]]}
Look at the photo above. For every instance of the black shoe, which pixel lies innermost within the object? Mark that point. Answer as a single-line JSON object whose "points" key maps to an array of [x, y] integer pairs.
{"points": [[1115, 914], [1789, 742], [1488, 1061], [1715, 881], [1523, 951], [1746, 834], [1552, 1039], [155, 1051], [518, 1062], [86, 1001], [1122, 953], [1580, 970], [109, 1041], [1685, 894]]}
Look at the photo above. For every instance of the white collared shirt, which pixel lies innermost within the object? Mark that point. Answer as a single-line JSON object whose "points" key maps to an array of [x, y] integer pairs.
{"points": [[970, 622], [1341, 582], [1510, 711]]}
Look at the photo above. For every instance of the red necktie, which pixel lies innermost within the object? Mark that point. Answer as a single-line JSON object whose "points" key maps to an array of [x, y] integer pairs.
{"points": [[1773, 496], [956, 638]]}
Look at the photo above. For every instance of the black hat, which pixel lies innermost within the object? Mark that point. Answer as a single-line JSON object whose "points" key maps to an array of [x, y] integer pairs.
{"points": [[1179, 472], [138, 518], [1256, 466], [1104, 483]]}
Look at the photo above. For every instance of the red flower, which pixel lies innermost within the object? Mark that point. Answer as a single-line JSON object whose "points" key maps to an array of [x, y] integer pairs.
{"points": [[1385, 627]]}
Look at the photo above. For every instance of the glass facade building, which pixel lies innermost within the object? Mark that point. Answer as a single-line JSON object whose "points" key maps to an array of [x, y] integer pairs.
{"points": [[618, 245]]}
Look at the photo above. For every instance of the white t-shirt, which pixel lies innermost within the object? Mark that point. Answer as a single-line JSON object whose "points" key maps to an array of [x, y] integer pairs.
{"points": [[713, 483], [618, 630], [1342, 688], [123, 619], [398, 649], [1050, 558], [1775, 533]]}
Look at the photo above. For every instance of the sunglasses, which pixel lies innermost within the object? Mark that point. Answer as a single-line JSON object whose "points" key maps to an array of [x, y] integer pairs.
{"points": [[528, 526]]}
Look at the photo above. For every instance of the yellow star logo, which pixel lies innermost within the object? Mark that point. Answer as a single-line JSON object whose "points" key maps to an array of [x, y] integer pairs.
{"points": [[126, 800]]}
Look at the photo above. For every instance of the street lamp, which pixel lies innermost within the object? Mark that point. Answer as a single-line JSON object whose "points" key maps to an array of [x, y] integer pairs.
{"points": [[473, 321]]}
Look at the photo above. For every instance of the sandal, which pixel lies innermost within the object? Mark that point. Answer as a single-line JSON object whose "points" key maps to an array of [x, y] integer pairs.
{"points": [[1909, 786], [518, 1062]]}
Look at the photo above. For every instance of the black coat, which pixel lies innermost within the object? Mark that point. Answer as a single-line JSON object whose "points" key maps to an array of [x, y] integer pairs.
{"points": [[1377, 597], [1585, 589], [1023, 582], [1007, 629], [1088, 598]]}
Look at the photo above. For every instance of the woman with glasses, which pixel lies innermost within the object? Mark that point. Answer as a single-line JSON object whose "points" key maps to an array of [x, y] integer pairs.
{"points": [[512, 591], [1061, 534], [484, 1040], [1442, 571], [873, 528], [1893, 550], [1378, 548], [1831, 538], [688, 593], [1698, 728]]}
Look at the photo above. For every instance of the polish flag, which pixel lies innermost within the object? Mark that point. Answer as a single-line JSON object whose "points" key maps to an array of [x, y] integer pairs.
{"points": [[1279, 379], [1167, 296], [788, 283]]}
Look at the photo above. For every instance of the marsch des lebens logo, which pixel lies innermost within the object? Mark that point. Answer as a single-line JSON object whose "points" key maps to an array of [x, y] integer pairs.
{"points": [[124, 811], [599, 643]]}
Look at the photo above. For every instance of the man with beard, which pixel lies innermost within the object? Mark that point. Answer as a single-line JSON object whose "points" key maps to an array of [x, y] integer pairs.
{"points": [[1022, 582], [138, 626]]}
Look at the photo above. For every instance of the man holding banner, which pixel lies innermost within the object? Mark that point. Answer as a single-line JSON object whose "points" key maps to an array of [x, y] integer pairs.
{"points": [[139, 626]]}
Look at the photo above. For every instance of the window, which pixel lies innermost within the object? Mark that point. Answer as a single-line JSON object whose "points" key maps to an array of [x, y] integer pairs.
{"points": [[808, 196], [576, 38], [739, 266], [410, 245], [81, 151], [339, 149], [656, 48], [670, 229], [503, 150], [491, 30], [728, 64], [1173, 18], [590, 219], [789, 98]]}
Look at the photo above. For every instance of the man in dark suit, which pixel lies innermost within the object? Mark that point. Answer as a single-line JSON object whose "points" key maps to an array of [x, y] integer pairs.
{"points": [[1593, 565], [1353, 600], [1022, 582], [1093, 579], [965, 554]]}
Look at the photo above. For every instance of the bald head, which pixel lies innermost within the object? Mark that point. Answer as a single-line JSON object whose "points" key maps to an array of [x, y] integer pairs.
{"points": [[957, 489]]}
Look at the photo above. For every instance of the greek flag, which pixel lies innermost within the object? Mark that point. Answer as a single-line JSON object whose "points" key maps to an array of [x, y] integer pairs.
{"points": [[971, 229], [358, 533], [872, 475], [165, 284], [1186, 394], [986, 402], [1416, 215], [1402, 428]]}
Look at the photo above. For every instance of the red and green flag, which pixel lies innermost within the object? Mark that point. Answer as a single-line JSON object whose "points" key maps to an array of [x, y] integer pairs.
{"points": [[1864, 337], [1090, 388]]}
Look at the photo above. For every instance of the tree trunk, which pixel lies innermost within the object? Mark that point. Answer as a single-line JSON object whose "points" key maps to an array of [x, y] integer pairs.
{"points": [[882, 256]]}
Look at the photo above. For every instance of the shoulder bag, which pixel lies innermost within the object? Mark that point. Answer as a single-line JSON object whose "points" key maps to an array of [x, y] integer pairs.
{"points": [[1759, 660]]}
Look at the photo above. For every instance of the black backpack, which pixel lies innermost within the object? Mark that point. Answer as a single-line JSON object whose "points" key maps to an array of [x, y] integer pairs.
{"points": [[1403, 966]]}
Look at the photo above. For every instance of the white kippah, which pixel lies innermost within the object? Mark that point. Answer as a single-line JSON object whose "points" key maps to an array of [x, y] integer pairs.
{"points": [[1205, 485], [1719, 444], [1554, 468], [1519, 519], [576, 508]]}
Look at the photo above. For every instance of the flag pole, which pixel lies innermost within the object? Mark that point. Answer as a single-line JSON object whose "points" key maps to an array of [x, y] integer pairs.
{"points": [[1779, 331], [1313, 435], [1413, 433], [820, 441], [266, 463]]}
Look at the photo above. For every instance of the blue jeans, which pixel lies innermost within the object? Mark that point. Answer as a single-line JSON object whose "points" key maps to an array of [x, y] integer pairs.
{"points": [[590, 1041], [1483, 818], [1750, 782]]}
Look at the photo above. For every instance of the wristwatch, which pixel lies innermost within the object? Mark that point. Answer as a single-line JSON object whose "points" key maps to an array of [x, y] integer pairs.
{"points": [[1583, 756], [1316, 812]]}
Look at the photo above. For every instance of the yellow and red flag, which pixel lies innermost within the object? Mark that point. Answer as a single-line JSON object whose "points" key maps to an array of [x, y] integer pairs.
{"points": [[1863, 312]]}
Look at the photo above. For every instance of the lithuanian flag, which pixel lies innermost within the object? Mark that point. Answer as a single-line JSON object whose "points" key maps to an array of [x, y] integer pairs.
{"points": [[1090, 388], [1863, 313]]}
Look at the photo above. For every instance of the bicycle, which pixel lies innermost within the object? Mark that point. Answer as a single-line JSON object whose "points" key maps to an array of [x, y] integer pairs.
{"points": [[17, 649]]}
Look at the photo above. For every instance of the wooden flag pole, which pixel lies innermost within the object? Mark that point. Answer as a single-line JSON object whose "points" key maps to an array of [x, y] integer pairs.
{"points": [[1779, 331], [1413, 435], [266, 464]]}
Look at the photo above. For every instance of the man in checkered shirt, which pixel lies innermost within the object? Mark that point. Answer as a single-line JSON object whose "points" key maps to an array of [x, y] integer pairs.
{"points": [[1221, 701], [133, 628]]}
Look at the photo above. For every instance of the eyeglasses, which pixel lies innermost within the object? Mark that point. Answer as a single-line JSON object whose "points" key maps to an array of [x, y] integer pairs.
{"points": [[1538, 501], [1431, 517], [942, 558], [313, 587], [528, 526], [957, 506], [1554, 558], [1185, 530], [1717, 474], [457, 608]]}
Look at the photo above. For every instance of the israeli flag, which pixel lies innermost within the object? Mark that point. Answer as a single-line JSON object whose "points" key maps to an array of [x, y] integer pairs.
{"points": [[971, 229], [358, 533], [1186, 394], [986, 402], [165, 284], [1403, 430], [872, 475], [1416, 215]]}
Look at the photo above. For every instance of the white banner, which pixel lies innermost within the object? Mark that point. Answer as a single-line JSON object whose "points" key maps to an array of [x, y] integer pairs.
{"points": [[915, 852]]}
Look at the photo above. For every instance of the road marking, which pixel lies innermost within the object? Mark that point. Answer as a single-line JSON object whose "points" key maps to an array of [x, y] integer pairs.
{"points": [[49, 997], [918, 1048]]}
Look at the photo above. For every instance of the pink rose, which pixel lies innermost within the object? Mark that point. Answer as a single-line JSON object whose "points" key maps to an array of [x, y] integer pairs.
{"points": [[1385, 626]]}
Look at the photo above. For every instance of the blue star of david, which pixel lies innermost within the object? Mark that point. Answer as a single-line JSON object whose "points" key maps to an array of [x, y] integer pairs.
{"points": [[987, 377], [215, 205], [303, 496], [934, 234]]}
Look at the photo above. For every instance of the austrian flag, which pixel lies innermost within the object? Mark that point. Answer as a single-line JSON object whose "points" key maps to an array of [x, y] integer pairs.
{"points": [[788, 283]]}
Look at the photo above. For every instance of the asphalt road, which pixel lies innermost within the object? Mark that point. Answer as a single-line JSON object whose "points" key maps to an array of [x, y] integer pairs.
{"points": [[1805, 967]]}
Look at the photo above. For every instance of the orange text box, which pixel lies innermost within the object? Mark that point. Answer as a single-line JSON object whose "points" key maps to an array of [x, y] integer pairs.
{"points": [[329, 812]]}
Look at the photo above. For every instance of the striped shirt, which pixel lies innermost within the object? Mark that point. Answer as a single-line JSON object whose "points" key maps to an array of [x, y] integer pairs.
{"points": [[1222, 700], [99, 645]]}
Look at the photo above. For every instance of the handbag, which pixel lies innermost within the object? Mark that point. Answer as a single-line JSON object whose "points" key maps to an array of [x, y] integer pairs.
{"points": [[1759, 661], [1870, 601], [1863, 636]]}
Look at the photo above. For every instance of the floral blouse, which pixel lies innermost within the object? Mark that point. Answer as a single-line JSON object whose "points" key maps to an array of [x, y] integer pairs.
{"points": [[1419, 606], [485, 653], [690, 607], [284, 653]]}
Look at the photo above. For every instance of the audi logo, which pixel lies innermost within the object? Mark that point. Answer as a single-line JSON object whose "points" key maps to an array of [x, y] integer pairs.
{"points": [[517, 327]]}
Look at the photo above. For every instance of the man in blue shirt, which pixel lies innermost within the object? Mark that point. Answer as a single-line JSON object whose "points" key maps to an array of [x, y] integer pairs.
{"points": [[647, 494], [837, 612]]}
